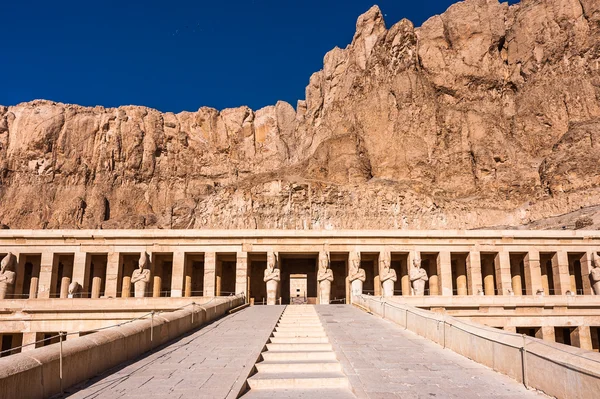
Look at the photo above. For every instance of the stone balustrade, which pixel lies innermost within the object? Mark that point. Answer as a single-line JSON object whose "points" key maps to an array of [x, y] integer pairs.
{"points": [[557, 370], [37, 373]]}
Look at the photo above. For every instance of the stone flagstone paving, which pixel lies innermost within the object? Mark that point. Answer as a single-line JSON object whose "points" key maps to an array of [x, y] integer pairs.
{"points": [[380, 359], [383, 361], [209, 363]]}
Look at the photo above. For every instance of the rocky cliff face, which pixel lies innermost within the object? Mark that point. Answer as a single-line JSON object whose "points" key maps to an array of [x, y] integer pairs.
{"points": [[486, 116]]}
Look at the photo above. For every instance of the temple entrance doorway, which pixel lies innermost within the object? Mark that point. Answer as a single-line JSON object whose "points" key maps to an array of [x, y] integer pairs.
{"points": [[298, 289], [304, 269]]}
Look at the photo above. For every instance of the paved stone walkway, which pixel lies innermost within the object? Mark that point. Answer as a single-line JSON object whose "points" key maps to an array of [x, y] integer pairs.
{"points": [[212, 362], [382, 361]]}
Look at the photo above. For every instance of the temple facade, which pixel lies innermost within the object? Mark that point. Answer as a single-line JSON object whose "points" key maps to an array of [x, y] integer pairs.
{"points": [[516, 273]]}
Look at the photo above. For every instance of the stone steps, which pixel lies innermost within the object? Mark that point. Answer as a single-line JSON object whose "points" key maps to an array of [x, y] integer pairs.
{"points": [[331, 393], [294, 356], [299, 340], [299, 334], [294, 379], [303, 366], [299, 329], [299, 347], [299, 361]]}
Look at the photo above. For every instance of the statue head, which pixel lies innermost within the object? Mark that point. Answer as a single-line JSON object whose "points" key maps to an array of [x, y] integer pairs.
{"points": [[596, 260], [143, 262], [386, 261], [74, 287], [417, 262], [324, 261], [7, 262], [355, 261], [271, 261]]}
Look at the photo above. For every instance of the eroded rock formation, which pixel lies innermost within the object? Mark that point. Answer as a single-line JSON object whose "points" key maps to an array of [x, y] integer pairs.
{"points": [[487, 115]]}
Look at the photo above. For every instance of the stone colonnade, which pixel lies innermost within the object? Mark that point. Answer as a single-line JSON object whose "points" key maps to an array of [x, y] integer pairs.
{"points": [[47, 273]]}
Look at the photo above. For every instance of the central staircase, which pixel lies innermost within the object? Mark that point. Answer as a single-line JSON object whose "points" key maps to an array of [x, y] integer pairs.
{"points": [[299, 361]]}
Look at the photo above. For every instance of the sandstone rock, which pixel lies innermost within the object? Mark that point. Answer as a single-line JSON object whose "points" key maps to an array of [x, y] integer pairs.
{"points": [[485, 116]]}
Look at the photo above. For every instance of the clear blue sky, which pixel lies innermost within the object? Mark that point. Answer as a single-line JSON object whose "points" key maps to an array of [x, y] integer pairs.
{"points": [[180, 54]]}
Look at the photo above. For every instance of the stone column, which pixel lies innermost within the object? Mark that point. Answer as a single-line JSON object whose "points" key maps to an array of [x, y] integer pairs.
{"points": [[113, 263], [65, 280], [586, 267], [511, 329], [572, 278], [404, 278], [432, 272], [126, 287], [461, 277], [560, 273], [35, 279], [444, 271], [503, 278], [81, 270], [582, 337], [487, 269], [546, 333], [210, 265], [516, 279], [156, 272], [533, 272], [474, 283], [241, 273], [48, 275], [64, 287], [178, 273], [188, 278], [96, 282]]}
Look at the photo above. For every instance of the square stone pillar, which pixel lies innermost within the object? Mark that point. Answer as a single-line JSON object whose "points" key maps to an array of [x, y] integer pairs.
{"points": [[546, 333], [404, 278], [81, 271], [241, 274], [444, 271], [511, 329], [560, 273], [20, 278], [178, 274], [586, 267], [502, 269], [582, 337], [533, 272], [29, 338], [218, 276], [112, 274], [48, 275], [210, 267], [474, 279], [377, 291]]}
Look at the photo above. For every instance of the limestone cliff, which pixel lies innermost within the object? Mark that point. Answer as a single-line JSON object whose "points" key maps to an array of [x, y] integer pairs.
{"points": [[487, 115]]}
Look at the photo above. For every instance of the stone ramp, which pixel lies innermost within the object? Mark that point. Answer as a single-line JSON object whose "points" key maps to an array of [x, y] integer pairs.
{"points": [[382, 360], [299, 361], [212, 362]]}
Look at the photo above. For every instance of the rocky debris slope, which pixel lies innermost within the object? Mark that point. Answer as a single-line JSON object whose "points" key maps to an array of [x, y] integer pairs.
{"points": [[487, 115]]}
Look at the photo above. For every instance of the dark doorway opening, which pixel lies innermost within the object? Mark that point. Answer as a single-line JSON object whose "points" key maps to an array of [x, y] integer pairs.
{"points": [[299, 264]]}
